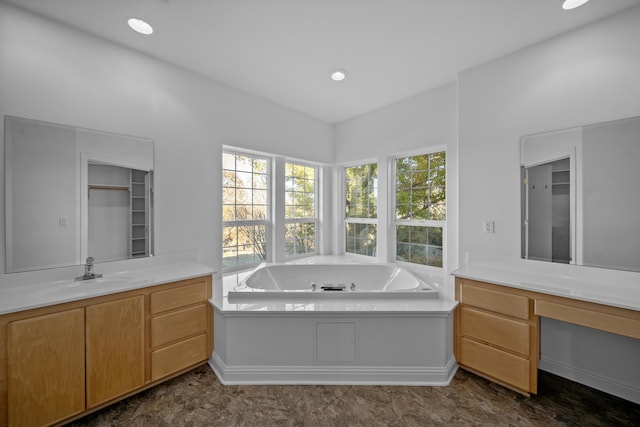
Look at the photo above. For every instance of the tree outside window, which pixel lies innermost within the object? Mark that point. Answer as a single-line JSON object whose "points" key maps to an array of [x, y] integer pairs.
{"points": [[300, 209], [245, 209], [361, 209], [420, 208]]}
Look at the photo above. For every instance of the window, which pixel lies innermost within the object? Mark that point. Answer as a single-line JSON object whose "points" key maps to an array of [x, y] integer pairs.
{"points": [[245, 210], [361, 194], [420, 208], [300, 209]]}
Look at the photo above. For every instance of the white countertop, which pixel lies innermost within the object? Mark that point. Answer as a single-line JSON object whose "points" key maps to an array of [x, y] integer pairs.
{"points": [[608, 287], [28, 296]]}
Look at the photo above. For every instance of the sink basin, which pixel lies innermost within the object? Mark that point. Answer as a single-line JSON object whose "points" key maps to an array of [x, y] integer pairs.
{"points": [[71, 288], [108, 280]]}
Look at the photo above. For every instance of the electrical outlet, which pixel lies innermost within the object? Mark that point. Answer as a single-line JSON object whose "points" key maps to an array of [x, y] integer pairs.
{"points": [[488, 226]]}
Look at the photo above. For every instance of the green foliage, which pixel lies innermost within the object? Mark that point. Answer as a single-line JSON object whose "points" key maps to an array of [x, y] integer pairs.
{"points": [[300, 201], [300, 191], [419, 245], [420, 195], [421, 187], [361, 238], [361, 191]]}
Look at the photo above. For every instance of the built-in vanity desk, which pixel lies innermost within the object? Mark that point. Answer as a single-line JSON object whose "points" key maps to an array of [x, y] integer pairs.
{"points": [[497, 324], [70, 348]]}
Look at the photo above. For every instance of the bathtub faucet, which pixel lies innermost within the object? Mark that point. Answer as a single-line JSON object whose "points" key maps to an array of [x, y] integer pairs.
{"points": [[353, 286], [88, 271], [313, 286]]}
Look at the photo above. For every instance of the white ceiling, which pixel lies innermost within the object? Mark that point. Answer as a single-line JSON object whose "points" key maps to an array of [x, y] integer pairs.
{"points": [[283, 50]]}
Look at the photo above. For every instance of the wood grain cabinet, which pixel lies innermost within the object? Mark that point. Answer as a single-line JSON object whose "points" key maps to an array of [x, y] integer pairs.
{"points": [[46, 368], [64, 361], [497, 328], [179, 328], [114, 349], [497, 334]]}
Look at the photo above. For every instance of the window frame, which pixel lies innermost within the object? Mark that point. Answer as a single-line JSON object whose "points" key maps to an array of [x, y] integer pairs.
{"points": [[303, 220], [267, 222], [394, 222]]}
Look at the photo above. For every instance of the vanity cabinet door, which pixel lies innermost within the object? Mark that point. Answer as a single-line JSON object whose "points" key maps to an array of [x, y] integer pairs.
{"points": [[65, 360], [115, 349], [46, 368]]}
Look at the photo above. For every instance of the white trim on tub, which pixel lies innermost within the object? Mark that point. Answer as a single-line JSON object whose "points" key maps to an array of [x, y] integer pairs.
{"points": [[334, 375]]}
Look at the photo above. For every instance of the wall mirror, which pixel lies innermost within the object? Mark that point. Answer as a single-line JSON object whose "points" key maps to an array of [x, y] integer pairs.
{"points": [[71, 193], [580, 199]]}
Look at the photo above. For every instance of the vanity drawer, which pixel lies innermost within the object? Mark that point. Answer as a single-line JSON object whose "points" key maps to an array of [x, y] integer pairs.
{"points": [[178, 356], [507, 333], [616, 322], [499, 365], [500, 302], [177, 325], [178, 297]]}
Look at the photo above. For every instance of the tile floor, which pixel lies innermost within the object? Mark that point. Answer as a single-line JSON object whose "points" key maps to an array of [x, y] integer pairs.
{"points": [[198, 399]]}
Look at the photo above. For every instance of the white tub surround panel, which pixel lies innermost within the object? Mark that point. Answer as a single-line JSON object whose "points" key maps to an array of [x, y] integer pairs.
{"points": [[399, 341]]}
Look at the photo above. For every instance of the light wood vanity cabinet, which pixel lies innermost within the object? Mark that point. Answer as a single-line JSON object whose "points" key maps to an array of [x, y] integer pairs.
{"points": [[46, 373], [114, 349], [179, 324], [497, 328], [64, 361], [497, 334]]}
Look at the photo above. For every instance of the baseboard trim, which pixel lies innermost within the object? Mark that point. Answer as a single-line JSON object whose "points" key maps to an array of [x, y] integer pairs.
{"points": [[335, 375], [599, 382]]}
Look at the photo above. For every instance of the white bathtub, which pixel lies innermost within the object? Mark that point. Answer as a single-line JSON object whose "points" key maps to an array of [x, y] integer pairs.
{"points": [[320, 281], [392, 328]]}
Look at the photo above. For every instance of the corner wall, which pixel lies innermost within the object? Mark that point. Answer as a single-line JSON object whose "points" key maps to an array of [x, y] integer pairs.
{"points": [[586, 76]]}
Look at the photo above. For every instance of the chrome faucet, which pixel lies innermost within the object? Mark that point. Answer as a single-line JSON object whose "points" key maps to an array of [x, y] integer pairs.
{"points": [[88, 271]]}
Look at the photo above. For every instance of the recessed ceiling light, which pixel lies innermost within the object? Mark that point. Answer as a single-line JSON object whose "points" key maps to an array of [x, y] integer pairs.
{"points": [[140, 26], [338, 75], [572, 4]]}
